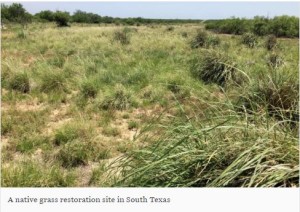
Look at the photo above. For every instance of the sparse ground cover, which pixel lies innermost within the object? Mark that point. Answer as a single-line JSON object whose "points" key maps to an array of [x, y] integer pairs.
{"points": [[91, 105]]}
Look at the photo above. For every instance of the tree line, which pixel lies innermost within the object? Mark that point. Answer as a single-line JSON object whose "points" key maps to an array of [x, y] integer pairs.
{"points": [[16, 13], [280, 26]]}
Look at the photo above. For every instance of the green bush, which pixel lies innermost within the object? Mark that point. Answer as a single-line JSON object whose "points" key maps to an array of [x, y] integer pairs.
{"points": [[61, 18], [280, 26], [19, 82], [285, 26], [235, 26]]}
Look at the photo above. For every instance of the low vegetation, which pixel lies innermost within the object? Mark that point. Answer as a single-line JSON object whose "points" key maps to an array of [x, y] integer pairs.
{"points": [[154, 105]]}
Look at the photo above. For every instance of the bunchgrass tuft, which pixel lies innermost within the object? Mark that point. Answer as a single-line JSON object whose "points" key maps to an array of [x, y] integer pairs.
{"points": [[213, 67], [199, 40], [275, 60], [277, 94], [249, 39], [32, 174], [271, 42], [122, 36], [54, 81], [19, 82], [89, 88], [221, 151], [120, 99]]}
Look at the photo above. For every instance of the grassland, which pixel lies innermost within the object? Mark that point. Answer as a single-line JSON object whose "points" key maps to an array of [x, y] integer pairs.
{"points": [[106, 106]]}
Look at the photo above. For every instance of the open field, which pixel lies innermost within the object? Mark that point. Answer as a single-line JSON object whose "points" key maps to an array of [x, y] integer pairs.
{"points": [[148, 106]]}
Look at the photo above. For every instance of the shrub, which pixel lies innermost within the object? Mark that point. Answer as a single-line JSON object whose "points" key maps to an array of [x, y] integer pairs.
{"points": [[199, 40], [229, 26], [260, 26], [213, 67], [19, 82], [249, 40], [285, 26], [61, 18], [271, 42], [45, 15]]}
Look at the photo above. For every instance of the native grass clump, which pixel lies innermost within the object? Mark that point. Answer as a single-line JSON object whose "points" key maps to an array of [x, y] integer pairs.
{"points": [[250, 40], [122, 36], [213, 67], [154, 105], [19, 82], [271, 42]]}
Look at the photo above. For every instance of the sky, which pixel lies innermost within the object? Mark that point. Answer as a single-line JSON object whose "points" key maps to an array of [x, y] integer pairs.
{"points": [[172, 10]]}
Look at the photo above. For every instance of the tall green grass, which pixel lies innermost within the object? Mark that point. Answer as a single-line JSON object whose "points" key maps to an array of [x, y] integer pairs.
{"points": [[222, 150]]}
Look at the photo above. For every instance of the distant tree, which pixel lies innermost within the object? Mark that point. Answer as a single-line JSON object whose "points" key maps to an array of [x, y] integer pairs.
{"points": [[107, 20], [61, 18], [260, 26], [15, 13], [46, 15], [94, 18], [285, 26], [129, 21], [4, 14], [80, 17]]}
